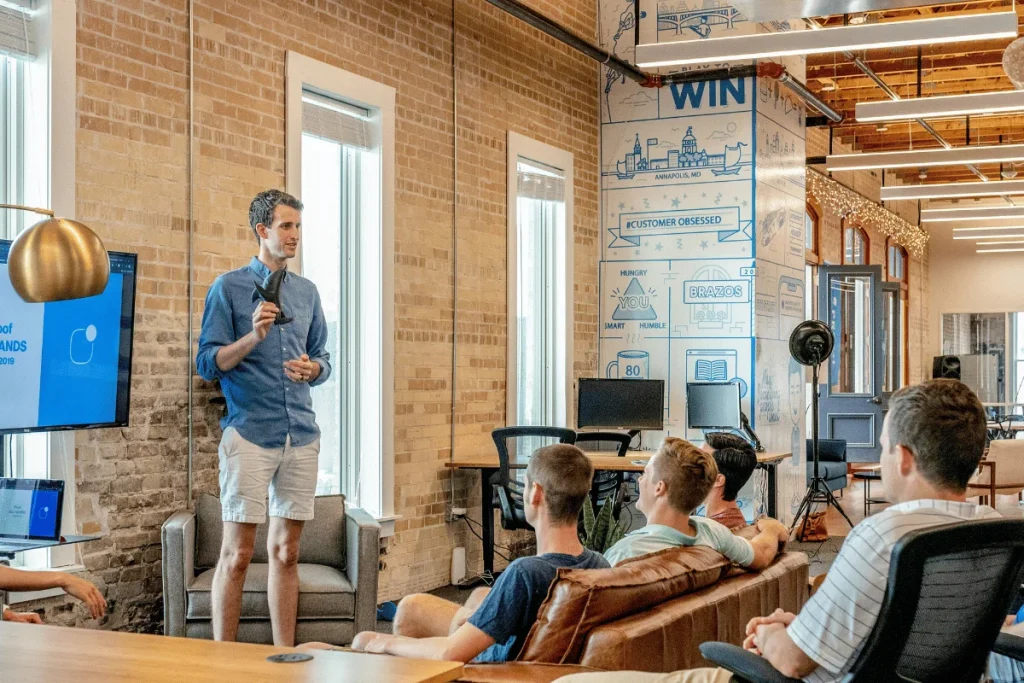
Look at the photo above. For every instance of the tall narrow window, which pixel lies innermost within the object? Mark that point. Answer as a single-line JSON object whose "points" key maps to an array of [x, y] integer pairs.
{"points": [[855, 246], [897, 269], [812, 260], [345, 175], [338, 183], [540, 276], [812, 248], [37, 169]]}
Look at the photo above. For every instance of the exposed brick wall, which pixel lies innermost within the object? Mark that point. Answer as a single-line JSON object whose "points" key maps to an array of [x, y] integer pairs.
{"points": [[869, 183], [131, 187]]}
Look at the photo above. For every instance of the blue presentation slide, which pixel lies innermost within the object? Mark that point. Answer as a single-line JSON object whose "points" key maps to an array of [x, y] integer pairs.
{"points": [[59, 361], [28, 512]]}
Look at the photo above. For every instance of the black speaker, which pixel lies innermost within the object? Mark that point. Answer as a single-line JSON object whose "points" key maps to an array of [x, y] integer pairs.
{"points": [[946, 367]]}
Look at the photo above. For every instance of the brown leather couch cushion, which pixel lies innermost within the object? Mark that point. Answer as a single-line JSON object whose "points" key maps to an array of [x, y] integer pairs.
{"points": [[582, 599], [667, 637], [520, 672]]}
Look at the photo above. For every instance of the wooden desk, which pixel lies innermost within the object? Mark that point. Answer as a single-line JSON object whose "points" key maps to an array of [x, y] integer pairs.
{"points": [[488, 466], [48, 654]]}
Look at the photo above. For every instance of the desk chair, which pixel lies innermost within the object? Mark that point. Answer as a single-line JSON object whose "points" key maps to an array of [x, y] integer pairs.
{"points": [[606, 484], [926, 631], [509, 489]]}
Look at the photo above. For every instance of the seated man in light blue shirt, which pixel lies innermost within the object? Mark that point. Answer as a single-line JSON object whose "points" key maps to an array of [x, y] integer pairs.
{"points": [[674, 484]]}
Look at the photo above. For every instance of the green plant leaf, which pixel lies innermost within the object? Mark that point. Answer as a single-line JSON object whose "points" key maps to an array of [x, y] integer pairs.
{"points": [[588, 522], [617, 533], [603, 525]]}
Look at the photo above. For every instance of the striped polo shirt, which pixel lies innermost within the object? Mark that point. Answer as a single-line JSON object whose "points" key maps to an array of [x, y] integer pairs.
{"points": [[834, 624]]}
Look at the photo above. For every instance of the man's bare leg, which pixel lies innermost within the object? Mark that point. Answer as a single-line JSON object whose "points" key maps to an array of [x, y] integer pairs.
{"points": [[229, 577], [424, 616], [283, 581]]}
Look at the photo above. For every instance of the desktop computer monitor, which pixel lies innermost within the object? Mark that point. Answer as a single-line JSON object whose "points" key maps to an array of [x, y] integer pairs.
{"points": [[713, 405], [621, 404]]}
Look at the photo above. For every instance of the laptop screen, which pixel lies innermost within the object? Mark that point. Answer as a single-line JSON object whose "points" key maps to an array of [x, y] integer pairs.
{"points": [[31, 508]]}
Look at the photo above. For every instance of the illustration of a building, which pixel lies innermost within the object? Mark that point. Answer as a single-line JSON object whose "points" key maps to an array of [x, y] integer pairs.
{"points": [[687, 156]]}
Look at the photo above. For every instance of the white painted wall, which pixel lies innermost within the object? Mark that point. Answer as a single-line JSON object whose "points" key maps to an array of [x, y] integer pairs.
{"points": [[963, 281]]}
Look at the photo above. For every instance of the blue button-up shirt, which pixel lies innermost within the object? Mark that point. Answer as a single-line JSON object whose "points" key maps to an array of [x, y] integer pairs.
{"points": [[263, 404]]}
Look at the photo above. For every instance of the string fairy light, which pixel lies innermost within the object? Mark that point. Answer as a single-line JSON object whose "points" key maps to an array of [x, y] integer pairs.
{"points": [[845, 203]]}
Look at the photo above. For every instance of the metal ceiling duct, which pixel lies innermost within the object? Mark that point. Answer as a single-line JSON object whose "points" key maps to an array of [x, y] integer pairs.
{"points": [[760, 10]]}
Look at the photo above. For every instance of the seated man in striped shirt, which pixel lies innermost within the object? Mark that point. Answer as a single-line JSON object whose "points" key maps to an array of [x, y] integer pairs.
{"points": [[932, 441]]}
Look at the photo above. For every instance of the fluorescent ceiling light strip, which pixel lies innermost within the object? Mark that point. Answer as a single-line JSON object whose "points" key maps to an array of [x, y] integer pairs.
{"points": [[945, 106], [952, 190], [933, 31], [983, 237], [992, 244], [972, 214], [997, 251], [990, 228], [926, 158]]}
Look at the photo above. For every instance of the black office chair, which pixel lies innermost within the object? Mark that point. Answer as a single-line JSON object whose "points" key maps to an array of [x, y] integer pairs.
{"points": [[948, 592], [606, 484], [509, 489]]}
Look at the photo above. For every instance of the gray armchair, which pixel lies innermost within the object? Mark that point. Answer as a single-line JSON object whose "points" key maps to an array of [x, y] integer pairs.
{"points": [[338, 559]]}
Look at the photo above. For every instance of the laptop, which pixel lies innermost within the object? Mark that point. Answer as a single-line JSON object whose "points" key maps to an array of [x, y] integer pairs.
{"points": [[30, 513]]}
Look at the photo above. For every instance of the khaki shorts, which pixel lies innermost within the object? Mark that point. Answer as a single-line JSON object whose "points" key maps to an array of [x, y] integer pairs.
{"points": [[248, 470]]}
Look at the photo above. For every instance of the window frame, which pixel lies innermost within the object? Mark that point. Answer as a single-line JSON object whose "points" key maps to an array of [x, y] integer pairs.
{"points": [[521, 146], [864, 237], [813, 256], [300, 71], [48, 157], [891, 244]]}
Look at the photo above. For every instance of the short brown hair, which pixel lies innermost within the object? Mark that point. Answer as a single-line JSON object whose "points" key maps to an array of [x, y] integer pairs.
{"points": [[565, 474], [943, 424], [688, 472], [261, 210]]}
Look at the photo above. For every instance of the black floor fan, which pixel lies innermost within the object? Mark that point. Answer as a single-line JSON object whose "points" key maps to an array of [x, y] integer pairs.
{"points": [[810, 344]]}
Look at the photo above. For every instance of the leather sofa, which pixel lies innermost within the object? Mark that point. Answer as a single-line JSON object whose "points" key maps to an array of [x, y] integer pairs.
{"points": [[338, 558], [648, 614], [831, 463]]}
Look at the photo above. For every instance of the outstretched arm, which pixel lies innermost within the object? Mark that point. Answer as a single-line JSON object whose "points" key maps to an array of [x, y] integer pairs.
{"points": [[771, 534], [17, 580]]}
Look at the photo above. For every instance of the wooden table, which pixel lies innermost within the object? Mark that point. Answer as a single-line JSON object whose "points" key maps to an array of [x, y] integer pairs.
{"points": [[48, 654], [634, 461]]}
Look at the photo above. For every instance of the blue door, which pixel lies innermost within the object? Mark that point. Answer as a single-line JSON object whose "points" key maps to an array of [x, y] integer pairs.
{"points": [[852, 395]]}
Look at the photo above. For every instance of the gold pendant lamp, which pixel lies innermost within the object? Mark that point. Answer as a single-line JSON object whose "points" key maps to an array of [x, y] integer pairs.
{"points": [[57, 259]]}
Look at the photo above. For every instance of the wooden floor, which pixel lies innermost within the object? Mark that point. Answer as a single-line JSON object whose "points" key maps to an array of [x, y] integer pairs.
{"points": [[852, 501]]}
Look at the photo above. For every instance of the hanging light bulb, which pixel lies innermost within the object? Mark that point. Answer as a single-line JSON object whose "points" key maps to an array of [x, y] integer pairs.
{"points": [[57, 259]]}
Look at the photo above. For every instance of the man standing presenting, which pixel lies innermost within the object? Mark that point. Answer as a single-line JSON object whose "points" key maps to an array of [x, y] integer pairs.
{"points": [[270, 438]]}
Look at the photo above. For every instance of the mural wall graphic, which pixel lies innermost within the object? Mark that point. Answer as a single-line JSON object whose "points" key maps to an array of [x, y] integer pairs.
{"points": [[701, 273]]}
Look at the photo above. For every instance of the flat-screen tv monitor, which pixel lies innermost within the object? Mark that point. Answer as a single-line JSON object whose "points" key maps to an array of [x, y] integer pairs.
{"points": [[67, 364], [621, 404], [713, 405]]}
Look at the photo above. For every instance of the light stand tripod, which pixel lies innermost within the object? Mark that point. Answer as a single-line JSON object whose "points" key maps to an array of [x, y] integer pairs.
{"points": [[810, 344]]}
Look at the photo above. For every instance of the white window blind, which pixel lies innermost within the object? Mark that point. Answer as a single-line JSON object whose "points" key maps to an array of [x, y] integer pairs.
{"points": [[17, 35], [333, 119], [540, 181]]}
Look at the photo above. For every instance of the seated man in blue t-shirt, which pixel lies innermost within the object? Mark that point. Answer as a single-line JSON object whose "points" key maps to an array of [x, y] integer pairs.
{"points": [[558, 480]]}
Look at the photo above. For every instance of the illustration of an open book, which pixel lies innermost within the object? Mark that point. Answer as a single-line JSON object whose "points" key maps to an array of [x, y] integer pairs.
{"points": [[711, 371]]}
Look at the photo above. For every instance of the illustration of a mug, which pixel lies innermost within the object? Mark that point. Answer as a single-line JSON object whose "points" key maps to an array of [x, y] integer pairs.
{"points": [[630, 365]]}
